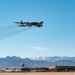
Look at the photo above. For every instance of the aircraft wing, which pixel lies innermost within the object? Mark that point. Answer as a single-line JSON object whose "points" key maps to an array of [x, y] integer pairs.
{"points": [[17, 22]]}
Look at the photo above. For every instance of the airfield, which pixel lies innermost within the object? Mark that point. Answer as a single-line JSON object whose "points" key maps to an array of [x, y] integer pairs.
{"points": [[40, 73]]}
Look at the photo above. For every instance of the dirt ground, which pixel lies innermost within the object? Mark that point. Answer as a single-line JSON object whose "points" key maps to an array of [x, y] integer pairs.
{"points": [[40, 73]]}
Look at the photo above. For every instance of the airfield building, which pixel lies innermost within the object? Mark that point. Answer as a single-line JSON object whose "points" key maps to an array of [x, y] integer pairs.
{"points": [[62, 68]]}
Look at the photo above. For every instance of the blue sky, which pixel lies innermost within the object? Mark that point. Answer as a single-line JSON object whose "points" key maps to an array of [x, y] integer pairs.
{"points": [[55, 38]]}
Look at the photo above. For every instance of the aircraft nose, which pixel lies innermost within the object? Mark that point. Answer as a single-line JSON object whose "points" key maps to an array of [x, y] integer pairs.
{"points": [[42, 22]]}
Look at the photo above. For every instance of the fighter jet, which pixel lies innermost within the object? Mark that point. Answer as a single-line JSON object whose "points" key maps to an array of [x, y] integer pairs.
{"points": [[29, 24]]}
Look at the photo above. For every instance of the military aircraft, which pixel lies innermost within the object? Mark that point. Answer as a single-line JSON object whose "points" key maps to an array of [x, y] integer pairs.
{"points": [[29, 24]]}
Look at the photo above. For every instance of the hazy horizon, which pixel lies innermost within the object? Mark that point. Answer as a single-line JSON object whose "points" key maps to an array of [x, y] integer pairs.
{"points": [[36, 56]]}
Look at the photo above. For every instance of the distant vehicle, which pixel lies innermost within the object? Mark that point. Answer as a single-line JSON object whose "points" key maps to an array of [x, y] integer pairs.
{"points": [[29, 24]]}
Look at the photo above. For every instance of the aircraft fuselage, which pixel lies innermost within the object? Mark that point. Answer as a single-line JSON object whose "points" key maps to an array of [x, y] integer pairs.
{"points": [[29, 24]]}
